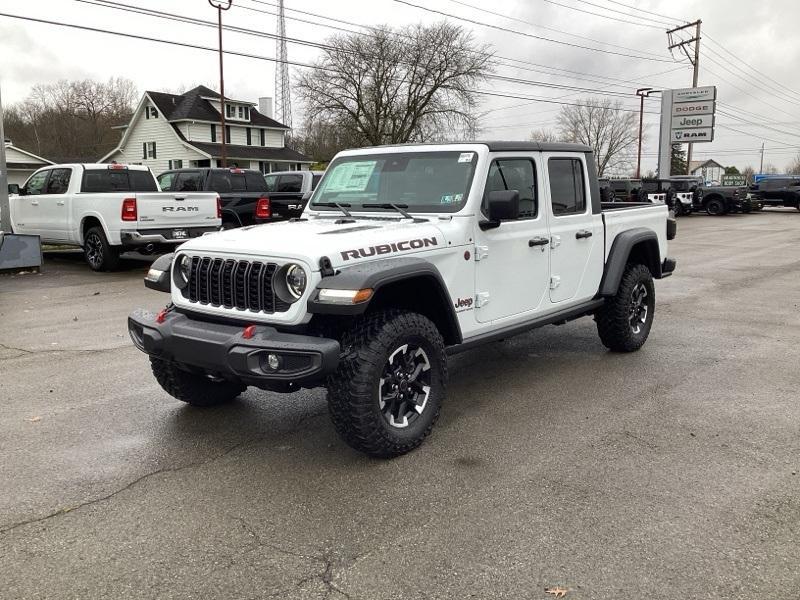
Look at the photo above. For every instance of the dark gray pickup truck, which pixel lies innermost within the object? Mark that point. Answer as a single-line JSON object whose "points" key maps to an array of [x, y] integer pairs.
{"points": [[288, 194]]}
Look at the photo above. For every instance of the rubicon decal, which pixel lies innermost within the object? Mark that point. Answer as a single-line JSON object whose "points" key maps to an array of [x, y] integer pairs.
{"points": [[389, 248]]}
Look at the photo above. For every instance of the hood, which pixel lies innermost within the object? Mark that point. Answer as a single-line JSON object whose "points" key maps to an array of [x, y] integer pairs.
{"points": [[344, 241]]}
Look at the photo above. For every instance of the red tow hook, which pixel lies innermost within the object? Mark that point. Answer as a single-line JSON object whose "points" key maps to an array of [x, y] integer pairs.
{"points": [[249, 332], [161, 316]]}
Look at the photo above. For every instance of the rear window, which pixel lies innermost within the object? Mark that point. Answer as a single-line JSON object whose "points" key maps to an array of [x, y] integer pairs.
{"points": [[237, 182], [290, 183], [220, 182], [255, 182], [188, 181], [117, 180]]}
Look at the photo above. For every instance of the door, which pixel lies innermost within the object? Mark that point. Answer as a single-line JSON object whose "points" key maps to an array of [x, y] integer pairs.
{"points": [[574, 231], [512, 269], [28, 215], [55, 206]]}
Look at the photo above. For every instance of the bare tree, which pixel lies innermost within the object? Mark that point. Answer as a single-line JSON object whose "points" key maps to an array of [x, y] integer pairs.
{"points": [[748, 172], [770, 169], [543, 135], [605, 127], [72, 121], [794, 166], [397, 85]]}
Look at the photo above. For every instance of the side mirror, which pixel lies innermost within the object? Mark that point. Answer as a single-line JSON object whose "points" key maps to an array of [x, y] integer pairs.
{"points": [[13, 188], [503, 206]]}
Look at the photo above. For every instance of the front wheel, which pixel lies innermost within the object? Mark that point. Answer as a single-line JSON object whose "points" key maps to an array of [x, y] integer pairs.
{"points": [[715, 207], [390, 384], [624, 322], [193, 388]]}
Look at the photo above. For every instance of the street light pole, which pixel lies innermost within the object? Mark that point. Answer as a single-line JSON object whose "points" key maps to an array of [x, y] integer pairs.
{"points": [[642, 93], [221, 5]]}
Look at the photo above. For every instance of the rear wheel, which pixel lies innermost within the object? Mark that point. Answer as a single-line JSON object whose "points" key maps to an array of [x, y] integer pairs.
{"points": [[388, 390], [624, 322], [99, 254], [193, 388], [715, 207]]}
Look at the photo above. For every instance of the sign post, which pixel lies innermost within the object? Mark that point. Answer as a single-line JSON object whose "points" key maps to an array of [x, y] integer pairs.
{"points": [[687, 117], [5, 217]]}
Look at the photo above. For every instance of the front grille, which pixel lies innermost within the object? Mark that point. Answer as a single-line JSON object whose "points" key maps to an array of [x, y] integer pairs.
{"points": [[234, 284]]}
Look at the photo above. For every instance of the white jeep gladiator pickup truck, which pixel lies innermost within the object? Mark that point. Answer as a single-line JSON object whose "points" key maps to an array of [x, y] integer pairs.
{"points": [[108, 209], [403, 255]]}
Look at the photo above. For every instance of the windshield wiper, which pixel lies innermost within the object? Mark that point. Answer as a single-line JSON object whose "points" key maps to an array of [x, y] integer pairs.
{"points": [[340, 205], [398, 207]]}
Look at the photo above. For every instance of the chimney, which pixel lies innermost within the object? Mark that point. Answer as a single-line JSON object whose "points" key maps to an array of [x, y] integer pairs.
{"points": [[265, 106]]}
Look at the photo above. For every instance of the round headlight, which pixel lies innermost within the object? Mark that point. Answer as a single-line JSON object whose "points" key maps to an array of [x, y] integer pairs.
{"points": [[296, 280], [184, 268]]}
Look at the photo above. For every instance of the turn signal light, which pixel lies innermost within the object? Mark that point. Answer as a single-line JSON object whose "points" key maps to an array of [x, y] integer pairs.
{"points": [[129, 212], [263, 208]]}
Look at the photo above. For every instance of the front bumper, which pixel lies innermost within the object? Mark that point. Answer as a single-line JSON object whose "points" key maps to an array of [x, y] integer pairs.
{"points": [[220, 349], [142, 237]]}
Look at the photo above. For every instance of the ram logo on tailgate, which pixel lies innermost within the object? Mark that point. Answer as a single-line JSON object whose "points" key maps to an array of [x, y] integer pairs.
{"points": [[180, 209]]}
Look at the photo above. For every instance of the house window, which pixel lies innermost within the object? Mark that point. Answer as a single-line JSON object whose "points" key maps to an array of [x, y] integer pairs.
{"points": [[263, 137], [227, 134], [230, 111], [176, 164], [249, 137], [149, 150], [150, 112], [213, 133]]}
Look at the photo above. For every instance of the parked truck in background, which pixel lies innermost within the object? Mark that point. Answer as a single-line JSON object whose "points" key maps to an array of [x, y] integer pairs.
{"points": [[403, 255], [288, 193], [109, 209], [778, 191], [239, 190]]}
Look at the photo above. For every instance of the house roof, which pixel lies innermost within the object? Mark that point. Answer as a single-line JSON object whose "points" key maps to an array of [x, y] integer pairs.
{"points": [[700, 164], [38, 161], [251, 152], [193, 105]]}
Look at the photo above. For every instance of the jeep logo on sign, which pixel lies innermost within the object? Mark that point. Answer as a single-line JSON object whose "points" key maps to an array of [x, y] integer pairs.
{"points": [[180, 209], [389, 248]]}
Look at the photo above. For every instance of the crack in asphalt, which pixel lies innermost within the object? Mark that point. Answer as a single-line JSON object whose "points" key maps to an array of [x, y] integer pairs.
{"points": [[28, 351], [131, 484]]}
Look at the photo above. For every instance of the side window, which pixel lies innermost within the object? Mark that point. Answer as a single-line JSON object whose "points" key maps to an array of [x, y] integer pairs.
{"points": [[165, 181], [188, 181], [567, 192], [315, 180], [290, 183], [514, 174], [272, 182], [36, 183], [59, 181]]}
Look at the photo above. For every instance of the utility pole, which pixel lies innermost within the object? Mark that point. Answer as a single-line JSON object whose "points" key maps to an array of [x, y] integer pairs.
{"points": [[221, 5], [5, 220], [695, 60], [642, 93], [761, 168]]}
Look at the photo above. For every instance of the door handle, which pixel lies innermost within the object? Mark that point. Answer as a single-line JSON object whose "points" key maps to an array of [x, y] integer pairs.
{"points": [[583, 233], [60, 203], [538, 241], [34, 203]]}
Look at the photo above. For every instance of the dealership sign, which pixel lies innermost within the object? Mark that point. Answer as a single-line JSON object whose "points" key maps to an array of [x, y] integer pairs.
{"points": [[687, 136], [700, 94], [693, 108], [691, 121]]}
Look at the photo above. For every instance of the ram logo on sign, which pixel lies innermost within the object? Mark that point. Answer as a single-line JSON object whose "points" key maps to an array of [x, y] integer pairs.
{"points": [[686, 136]]}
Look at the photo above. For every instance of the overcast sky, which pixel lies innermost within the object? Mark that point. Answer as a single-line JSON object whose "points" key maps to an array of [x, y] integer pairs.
{"points": [[755, 33]]}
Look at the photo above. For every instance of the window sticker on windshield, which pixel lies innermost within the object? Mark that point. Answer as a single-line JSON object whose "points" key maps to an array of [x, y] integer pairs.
{"points": [[451, 198], [465, 157], [350, 177]]}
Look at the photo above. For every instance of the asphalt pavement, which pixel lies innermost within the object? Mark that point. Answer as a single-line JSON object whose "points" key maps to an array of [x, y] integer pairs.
{"points": [[670, 473]]}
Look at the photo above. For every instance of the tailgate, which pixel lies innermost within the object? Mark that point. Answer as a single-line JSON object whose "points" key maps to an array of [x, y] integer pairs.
{"points": [[286, 205], [176, 209]]}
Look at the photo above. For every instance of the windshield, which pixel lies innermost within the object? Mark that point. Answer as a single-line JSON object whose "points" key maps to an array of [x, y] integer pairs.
{"points": [[422, 181]]}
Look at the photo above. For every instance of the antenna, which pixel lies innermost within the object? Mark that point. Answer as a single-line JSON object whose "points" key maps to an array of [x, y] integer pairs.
{"points": [[283, 99]]}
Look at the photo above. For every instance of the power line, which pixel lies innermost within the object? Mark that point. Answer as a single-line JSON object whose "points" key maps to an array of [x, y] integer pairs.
{"points": [[529, 35], [672, 20], [602, 15], [626, 13]]}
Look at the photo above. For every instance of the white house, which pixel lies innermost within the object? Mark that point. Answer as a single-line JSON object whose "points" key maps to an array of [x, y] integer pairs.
{"points": [[21, 164], [710, 170], [172, 131]]}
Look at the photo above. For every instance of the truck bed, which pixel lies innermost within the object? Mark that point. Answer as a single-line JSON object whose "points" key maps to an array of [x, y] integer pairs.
{"points": [[625, 216]]}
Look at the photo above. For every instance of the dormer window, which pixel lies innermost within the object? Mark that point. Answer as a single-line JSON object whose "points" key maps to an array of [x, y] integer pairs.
{"points": [[237, 112], [150, 112]]}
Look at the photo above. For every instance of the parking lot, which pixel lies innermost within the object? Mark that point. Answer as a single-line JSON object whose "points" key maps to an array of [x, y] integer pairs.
{"points": [[668, 473]]}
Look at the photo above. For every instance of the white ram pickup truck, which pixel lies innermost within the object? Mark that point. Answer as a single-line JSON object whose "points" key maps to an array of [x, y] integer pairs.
{"points": [[403, 255], [108, 209]]}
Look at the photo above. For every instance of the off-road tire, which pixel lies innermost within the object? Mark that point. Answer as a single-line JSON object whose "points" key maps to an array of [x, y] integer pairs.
{"points": [[99, 254], [715, 207], [192, 388], [614, 318], [354, 389]]}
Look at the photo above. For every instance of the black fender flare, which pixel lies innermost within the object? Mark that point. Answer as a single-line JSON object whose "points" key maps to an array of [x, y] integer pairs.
{"points": [[620, 252], [378, 274]]}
